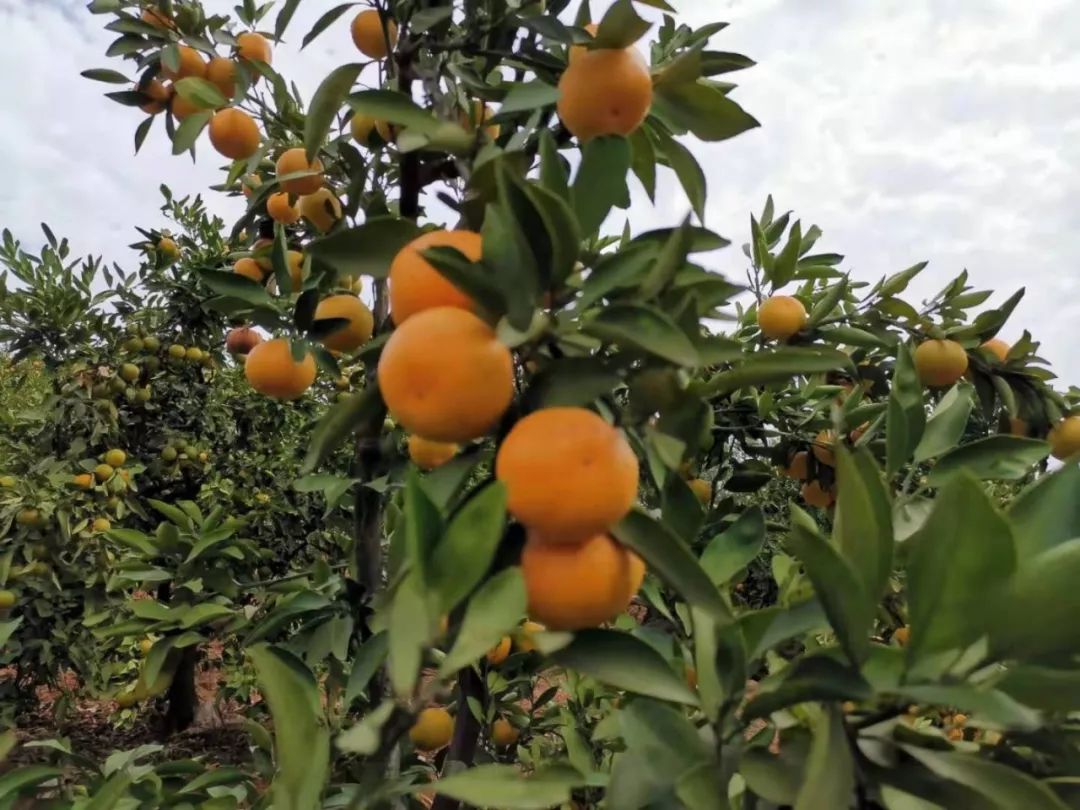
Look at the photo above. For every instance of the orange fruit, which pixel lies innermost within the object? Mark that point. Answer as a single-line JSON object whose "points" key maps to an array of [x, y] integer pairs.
{"points": [[997, 347], [191, 64], [322, 209], [158, 95], [181, 108], [503, 733], [271, 370], [415, 285], [83, 480], [568, 473], [368, 35], [221, 73], [635, 574], [101, 524], [815, 495], [281, 210], [253, 47], [571, 587], [940, 363], [261, 250], [234, 134], [103, 472], [249, 268], [28, 517], [1064, 438], [242, 339], [823, 447], [295, 260], [799, 466], [477, 117], [781, 316], [433, 729], [902, 635], [577, 50], [427, 455], [115, 458], [357, 332], [361, 127], [500, 652], [445, 376], [605, 92], [702, 490], [295, 160]]}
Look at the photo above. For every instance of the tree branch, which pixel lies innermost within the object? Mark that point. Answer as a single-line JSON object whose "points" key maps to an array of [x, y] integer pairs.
{"points": [[466, 731]]}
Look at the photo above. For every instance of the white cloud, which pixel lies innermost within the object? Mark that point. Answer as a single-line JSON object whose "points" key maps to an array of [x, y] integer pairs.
{"points": [[907, 129]]}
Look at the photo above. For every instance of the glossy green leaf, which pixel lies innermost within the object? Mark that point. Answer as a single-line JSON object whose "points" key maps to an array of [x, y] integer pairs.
{"points": [[906, 417], [367, 249], [412, 618], [961, 557], [529, 96], [570, 381], [620, 27], [369, 658], [326, 105], [460, 561], [734, 548], [324, 22], [703, 109], [946, 424], [829, 780], [1004, 458], [600, 182], [423, 527], [201, 93], [188, 132], [687, 169], [359, 412], [1047, 513], [814, 678], [1042, 687], [777, 365], [862, 523], [625, 662], [15, 781], [646, 328], [992, 707], [302, 741], [1006, 787], [494, 785], [395, 107], [105, 75], [493, 612]]}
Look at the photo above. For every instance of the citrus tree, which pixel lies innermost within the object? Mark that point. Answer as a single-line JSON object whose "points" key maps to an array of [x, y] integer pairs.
{"points": [[601, 550]]}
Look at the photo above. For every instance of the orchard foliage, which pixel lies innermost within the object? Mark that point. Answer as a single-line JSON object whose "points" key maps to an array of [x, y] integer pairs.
{"points": [[796, 541]]}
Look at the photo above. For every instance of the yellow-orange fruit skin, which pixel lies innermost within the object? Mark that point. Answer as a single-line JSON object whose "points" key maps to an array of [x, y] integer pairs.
{"points": [[781, 317], [605, 92], [940, 363], [415, 285], [271, 370]]}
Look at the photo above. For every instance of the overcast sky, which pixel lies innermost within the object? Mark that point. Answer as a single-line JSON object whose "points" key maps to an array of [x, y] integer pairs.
{"points": [[946, 130]]}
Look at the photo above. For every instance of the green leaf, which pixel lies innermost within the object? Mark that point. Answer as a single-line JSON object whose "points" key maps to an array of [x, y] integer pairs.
{"points": [[364, 411], [620, 27], [570, 381], [947, 423], [1005, 786], [324, 22], [783, 268], [366, 250], [411, 626], [862, 525], [814, 678], [302, 739], [233, 285], [829, 779], [494, 785], [529, 96], [369, 658], [1047, 513], [284, 17], [959, 559], [365, 737], [423, 526], [493, 612], [989, 706], [1046, 688], [468, 546], [397, 108], [209, 541], [838, 587], [777, 777], [201, 93], [15, 781], [425, 19], [906, 417], [1006, 458], [669, 261], [601, 180], [734, 548], [714, 63], [625, 662], [703, 109], [687, 169], [646, 328], [134, 539], [188, 132], [1034, 615], [553, 172], [326, 105], [105, 75], [109, 794], [474, 278], [777, 365], [898, 282], [667, 556]]}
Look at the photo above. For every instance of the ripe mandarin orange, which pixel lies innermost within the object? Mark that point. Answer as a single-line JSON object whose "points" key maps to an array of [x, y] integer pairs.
{"points": [[568, 473], [361, 127], [415, 285], [158, 95], [940, 363], [368, 36], [816, 495], [997, 347], [271, 370], [823, 447], [234, 134], [281, 210], [500, 652], [605, 92], [427, 455], [433, 728], [798, 468], [702, 490], [781, 316], [1064, 438], [571, 587], [253, 47], [181, 108], [221, 73], [354, 334], [445, 376], [295, 160], [577, 50], [322, 209], [191, 64], [503, 733], [249, 268]]}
